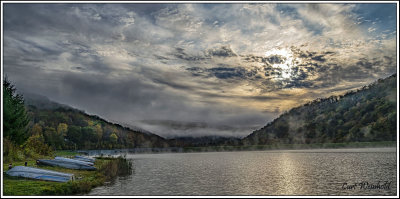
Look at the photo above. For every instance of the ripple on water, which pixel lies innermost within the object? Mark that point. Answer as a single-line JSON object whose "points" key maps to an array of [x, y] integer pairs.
{"points": [[281, 172]]}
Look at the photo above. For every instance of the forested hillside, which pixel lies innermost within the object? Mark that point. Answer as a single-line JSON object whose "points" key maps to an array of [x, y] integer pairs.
{"points": [[368, 114], [64, 127], [38, 125]]}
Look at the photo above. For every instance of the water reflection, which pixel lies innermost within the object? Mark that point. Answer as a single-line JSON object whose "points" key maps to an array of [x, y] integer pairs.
{"points": [[289, 174], [306, 172]]}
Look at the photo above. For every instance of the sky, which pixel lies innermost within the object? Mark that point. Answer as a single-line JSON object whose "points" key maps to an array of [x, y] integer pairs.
{"points": [[222, 69]]}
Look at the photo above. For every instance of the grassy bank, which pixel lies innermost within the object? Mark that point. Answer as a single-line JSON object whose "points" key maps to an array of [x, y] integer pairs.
{"points": [[107, 170], [292, 146]]}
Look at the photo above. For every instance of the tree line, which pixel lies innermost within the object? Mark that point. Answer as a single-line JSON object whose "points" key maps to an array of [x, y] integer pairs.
{"points": [[31, 132]]}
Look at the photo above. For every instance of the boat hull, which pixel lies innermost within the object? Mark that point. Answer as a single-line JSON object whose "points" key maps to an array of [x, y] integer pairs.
{"points": [[86, 159], [74, 161], [40, 174], [69, 165]]}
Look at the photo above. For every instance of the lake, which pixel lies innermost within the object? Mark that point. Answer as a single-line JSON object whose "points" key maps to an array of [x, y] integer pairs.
{"points": [[363, 171]]}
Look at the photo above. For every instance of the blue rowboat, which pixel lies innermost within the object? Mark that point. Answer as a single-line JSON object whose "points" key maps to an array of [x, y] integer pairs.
{"points": [[82, 158], [40, 174], [62, 163], [74, 161]]}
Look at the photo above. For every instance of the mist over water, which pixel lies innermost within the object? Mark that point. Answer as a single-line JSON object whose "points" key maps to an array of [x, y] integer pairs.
{"points": [[276, 172]]}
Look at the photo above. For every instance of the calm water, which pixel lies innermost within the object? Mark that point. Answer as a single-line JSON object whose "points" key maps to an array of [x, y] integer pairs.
{"points": [[280, 172]]}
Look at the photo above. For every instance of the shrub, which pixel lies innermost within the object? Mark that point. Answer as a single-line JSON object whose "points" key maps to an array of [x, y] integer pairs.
{"points": [[119, 167], [12, 152], [36, 144]]}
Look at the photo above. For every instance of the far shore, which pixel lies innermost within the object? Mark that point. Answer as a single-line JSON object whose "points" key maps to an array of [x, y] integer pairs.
{"points": [[241, 148]]}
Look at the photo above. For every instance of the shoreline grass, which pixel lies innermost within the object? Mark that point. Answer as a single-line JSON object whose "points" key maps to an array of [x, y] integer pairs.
{"points": [[66, 153], [107, 170]]}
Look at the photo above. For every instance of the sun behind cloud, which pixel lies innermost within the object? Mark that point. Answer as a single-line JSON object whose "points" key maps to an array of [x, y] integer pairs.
{"points": [[231, 64], [286, 63]]}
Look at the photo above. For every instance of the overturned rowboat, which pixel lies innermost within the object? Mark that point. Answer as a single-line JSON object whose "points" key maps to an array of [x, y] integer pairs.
{"points": [[82, 158], [74, 161], [40, 174], [65, 164]]}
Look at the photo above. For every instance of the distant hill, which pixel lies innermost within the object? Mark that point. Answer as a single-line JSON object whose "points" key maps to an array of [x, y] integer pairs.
{"points": [[368, 114], [41, 102], [64, 127]]}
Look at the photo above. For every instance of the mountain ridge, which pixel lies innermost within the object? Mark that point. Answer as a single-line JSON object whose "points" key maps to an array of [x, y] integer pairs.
{"points": [[65, 127], [364, 114]]}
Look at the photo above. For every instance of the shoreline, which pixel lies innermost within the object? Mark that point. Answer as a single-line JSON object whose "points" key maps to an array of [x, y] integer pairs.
{"points": [[240, 148], [108, 169], [295, 146]]}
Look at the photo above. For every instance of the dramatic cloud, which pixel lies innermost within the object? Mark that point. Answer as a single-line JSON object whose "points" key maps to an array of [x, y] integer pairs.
{"points": [[196, 69]]}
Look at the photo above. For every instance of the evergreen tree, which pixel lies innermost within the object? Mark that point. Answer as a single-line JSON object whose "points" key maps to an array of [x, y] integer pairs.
{"points": [[15, 117]]}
